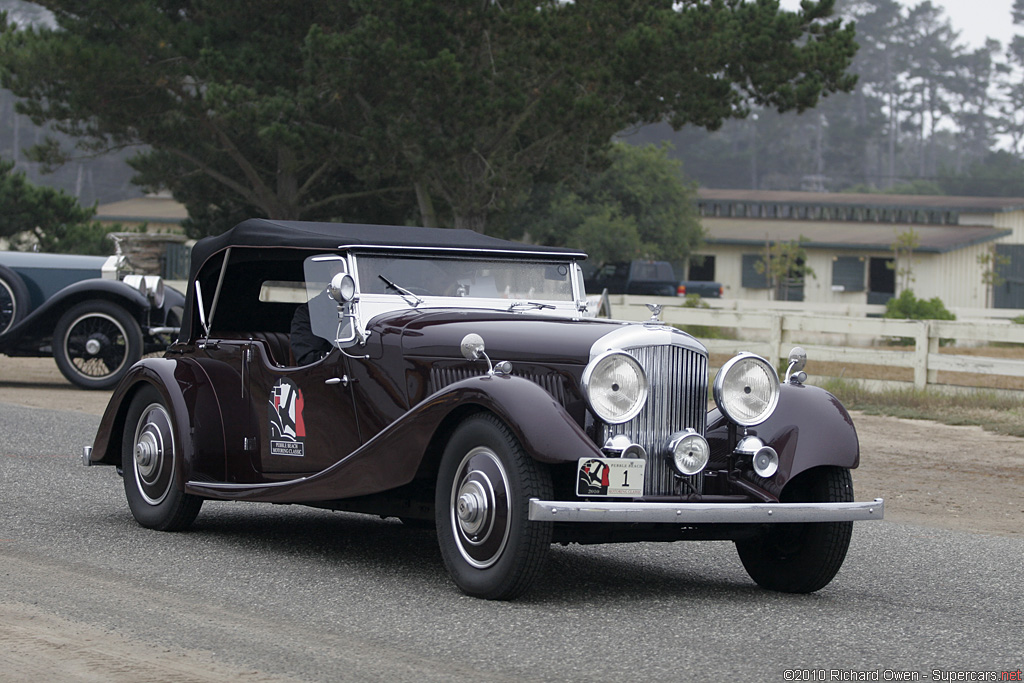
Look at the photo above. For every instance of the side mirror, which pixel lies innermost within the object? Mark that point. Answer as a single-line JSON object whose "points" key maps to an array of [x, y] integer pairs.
{"points": [[473, 347], [797, 362]]}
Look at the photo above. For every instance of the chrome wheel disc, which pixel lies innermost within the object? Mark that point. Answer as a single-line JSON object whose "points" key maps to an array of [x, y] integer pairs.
{"points": [[153, 454], [481, 513]]}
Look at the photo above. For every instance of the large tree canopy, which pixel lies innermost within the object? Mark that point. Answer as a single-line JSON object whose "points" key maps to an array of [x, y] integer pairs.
{"points": [[320, 109], [639, 206]]}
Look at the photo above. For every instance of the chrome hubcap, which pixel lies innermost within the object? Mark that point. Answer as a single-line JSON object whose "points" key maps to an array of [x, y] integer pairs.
{"points": [[147, 454], [472, 508], [153, 454], [481, 508]]}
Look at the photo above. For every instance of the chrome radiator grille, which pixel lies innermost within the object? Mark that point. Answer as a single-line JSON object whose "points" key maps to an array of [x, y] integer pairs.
{"points": [[677, 399]]}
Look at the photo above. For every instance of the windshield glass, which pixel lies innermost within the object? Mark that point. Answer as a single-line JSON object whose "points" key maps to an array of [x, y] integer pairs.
{"points": [[474, 278]]}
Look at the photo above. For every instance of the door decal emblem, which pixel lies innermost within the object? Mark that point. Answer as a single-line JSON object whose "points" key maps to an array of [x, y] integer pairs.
{"points": [[287, 428]]}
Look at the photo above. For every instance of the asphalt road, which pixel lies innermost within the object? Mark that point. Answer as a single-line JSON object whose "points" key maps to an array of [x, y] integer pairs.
{"points": [[265, 593]]}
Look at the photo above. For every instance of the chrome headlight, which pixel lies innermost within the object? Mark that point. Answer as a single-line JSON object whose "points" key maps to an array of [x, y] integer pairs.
{"points": [[747, 389], [615, 386], [149, 286]]}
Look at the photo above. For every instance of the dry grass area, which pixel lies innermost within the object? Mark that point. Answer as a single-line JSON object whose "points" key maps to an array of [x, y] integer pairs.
{"points": [[997, 412]]}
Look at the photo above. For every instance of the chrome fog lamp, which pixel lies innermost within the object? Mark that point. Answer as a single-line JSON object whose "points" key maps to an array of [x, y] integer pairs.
{"points": [[615, 386], [688, 452], [746, 389], [342, 288], [764, 458]]}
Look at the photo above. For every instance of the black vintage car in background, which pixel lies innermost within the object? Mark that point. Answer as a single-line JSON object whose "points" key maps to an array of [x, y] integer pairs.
{"points": [[94, 319], [455, 380]]}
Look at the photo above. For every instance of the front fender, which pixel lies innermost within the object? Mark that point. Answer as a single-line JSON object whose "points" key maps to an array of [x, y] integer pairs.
{"points": [[41, 321], [809, 428], [393, 457]]}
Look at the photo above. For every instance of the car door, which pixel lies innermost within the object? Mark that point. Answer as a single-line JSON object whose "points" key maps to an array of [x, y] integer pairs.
{"points": [[304, 416]]}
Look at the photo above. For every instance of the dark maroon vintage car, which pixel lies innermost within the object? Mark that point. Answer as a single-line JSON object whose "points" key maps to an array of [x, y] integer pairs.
{"points": [[451, 379]]}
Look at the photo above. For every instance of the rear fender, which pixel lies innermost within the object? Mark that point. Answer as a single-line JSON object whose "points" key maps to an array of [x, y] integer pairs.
{"points": [[201, 433], [809, 428]]}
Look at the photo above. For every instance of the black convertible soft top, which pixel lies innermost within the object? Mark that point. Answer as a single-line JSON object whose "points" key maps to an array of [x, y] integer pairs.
{"points": [[257, 233], [260, 232]]}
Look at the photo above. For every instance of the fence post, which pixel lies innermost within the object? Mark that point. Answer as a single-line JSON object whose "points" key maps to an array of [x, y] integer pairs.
{"points": [[921, 349], [933, 347], [775, 338]]}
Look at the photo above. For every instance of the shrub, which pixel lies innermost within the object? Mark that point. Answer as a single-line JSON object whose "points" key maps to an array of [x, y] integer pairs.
{"points": [[908, 307]]}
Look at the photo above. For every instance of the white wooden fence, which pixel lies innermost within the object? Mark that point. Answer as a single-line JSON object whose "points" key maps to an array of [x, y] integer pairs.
{"points": [[843, 336]]}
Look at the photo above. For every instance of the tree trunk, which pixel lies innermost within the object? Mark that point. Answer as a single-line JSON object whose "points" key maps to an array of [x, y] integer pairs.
{"points": [[287, 184], [426, 205], [475, 221]]}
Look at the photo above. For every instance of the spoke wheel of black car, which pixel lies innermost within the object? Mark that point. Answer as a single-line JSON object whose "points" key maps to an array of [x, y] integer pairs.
{"points": [[802, 558], [149, 458], [95, 343], [489, 546], [14, 299]]}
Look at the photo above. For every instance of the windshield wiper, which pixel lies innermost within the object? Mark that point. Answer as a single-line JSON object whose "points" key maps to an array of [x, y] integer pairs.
{"points": [[416, 301], [532, 304]]}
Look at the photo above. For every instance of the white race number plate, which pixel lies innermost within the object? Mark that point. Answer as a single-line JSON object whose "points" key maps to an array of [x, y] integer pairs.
{"points": [[620, 477]]}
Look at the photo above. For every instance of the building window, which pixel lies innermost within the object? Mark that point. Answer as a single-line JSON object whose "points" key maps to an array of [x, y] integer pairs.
{"points": [[751, 279], [848, 274], [702, 268]]}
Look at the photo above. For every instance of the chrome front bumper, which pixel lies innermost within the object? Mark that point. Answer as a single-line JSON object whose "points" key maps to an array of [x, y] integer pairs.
{"points": [[703, 513]]}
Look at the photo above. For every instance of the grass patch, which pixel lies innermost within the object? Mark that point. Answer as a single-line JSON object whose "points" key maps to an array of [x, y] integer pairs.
{"points": [[992, 411]]}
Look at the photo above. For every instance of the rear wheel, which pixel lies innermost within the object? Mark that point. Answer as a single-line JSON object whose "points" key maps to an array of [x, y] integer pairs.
{"points": [[489, 546], [149, 457], [14, 299], [95, 343], [802, 558]]}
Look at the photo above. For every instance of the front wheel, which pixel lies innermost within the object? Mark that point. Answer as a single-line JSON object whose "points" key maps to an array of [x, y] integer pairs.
{"points": [[95, 343], [490, 547], [802, 557], [149, 457]]}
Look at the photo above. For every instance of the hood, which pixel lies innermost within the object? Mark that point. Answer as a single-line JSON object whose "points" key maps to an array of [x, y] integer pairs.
{"points": [[521, 337]]}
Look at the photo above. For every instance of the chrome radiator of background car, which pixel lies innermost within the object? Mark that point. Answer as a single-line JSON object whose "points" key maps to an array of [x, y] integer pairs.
{"points": [[678, 393]]}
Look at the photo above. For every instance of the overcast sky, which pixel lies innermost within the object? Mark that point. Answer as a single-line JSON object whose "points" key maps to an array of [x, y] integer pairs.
{"points": [[976, 20]]}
